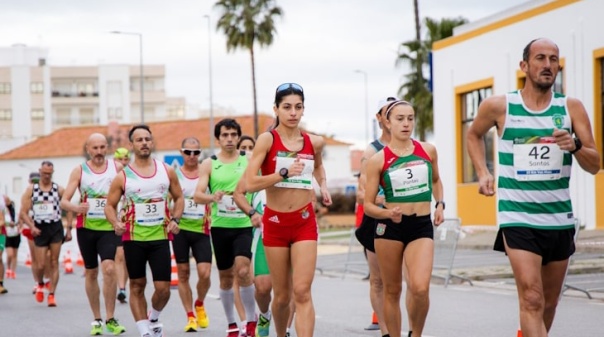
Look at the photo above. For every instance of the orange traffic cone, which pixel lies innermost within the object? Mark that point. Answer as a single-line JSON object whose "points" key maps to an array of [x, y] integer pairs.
{"points": [[80, 260], [28, 261], [174, 274], [519, 334], [374, 323], [67, 263]]}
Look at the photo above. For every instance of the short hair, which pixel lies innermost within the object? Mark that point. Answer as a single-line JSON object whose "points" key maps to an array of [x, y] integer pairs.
{"points": [[189, 140], [526, 53], [246, 137], [136, 127], [228, 123], [47, 163]]}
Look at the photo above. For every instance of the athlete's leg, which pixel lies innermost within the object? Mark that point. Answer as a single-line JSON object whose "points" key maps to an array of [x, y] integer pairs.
{"points": [[304, 260], [390, 257], [418, 260]]}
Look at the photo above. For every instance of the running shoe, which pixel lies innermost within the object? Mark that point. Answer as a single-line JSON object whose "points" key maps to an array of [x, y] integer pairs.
{"points": [[121, 296], [202, 317], [114, 327], [51, 300], [157, 329], [263, 326], [232, 330], [250, 329], [191, 325], [3, 290], [287, 334], [39, 294], [97, 328]]}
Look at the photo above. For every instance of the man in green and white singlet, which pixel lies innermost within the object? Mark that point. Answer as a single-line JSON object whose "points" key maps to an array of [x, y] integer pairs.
{"points": [[536, 148], [96, 237], [193, 239], [231, 227], [146, 227]]}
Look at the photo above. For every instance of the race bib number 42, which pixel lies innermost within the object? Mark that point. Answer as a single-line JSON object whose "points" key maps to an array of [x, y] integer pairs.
{"points": [[537, 159]]}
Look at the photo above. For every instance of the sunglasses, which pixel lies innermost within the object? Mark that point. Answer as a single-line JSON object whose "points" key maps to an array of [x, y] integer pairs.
{"points": [[191, 152], [288, 86]]}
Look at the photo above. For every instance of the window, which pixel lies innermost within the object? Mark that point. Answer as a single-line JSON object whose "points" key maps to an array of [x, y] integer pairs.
{"points": [[37, 114], [469, 108], [63, 116], [6, 114], [37, 87], [176, 112], [114, 113], [87, 116], [5, 88]]}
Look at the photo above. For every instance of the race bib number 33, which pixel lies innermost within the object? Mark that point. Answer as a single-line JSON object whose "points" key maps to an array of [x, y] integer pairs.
{"points": [[151, 213]]}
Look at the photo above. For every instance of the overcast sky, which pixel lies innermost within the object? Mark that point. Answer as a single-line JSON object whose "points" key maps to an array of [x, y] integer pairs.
{"points": [[319, 44]]}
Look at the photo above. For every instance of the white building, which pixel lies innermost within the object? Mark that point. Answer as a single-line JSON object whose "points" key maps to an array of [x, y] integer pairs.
{"points": [[482, 59]]}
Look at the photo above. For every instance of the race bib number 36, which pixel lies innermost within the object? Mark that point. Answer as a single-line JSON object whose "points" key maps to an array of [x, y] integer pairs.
{"points": [[537, 160], [150, 214], [96, 208], [409, 179]]}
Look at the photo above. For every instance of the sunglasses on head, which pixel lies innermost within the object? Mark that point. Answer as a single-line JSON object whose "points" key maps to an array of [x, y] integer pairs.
{"points": [[191, 152], [288, 86]]}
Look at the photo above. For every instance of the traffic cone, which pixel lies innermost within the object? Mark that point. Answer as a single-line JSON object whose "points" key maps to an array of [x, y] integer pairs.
{"points": [[28, 261], [174, 273], [519, 334], [67, 263], [80, 260], [374, 323]]}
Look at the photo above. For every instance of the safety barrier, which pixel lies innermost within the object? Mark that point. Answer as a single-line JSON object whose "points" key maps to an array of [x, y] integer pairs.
{"points": [[446, 236]]}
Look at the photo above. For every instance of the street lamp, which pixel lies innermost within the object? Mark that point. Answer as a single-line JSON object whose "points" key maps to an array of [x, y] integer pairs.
{"points": [[366, 105], [142, 80], [210, 76]]}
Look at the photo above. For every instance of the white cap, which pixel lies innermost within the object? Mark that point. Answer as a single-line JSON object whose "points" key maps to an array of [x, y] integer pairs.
{"points": [[385, 101]]}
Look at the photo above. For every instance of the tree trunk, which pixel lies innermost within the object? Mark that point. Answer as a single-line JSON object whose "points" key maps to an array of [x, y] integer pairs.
{"points": [[254, 91], [418, 66]]}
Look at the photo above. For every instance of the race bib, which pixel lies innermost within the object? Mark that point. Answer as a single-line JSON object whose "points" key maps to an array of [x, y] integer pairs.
{"points": [[304, 180], [228, 209], [43, 211], [150, 214], [96, 208], [12, 231], [193, 210], [409, 179], [537, 159]]}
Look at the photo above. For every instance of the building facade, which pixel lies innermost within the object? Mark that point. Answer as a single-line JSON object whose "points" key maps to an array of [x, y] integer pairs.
{"points": [[482, 59]]}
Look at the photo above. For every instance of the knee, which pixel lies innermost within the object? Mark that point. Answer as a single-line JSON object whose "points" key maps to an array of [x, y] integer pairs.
{"points": [[420, 291], [92, 274], [302, 293], [532, 300], [376, 284], [183, 274], [243, 275], [137, 287], [163, 292], [393, 290], [108, 268], [204, 274]]}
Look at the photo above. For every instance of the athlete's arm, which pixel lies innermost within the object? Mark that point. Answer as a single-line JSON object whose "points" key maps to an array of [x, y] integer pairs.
{"points": [[588, 156], [373, 171], [369, 152], [253, 181], [318, 144], [176, 193], [72, 185], [200, 196], [437, 185], [239, 197], [116, 190], [26, 206], [490, 113]]}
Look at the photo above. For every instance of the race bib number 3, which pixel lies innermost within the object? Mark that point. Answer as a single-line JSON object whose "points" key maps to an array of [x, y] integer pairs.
{"points": [[193, 210], [96, 208], [409, 179], [228, 209], [150, 214], [303, 181], [537, 160]]}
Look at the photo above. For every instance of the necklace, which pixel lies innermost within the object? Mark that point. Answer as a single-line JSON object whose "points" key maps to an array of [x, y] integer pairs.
{"points": [[403, 151]]}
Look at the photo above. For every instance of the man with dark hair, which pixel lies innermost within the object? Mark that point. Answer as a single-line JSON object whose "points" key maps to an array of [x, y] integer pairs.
{"points": [[46, 227], [231, 227], [146, 227], [536, 148]]}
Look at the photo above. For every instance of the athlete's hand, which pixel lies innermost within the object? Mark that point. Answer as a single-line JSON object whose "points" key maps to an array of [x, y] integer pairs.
{"points": [[35, 231], [396, 215], [82, 208], [296, 168], [218, 196], [120, 228], [326, 197], [173, 227], [486, 185], [564, 140], [438, 216], [257, 220], [379, 200], [68, 236]]}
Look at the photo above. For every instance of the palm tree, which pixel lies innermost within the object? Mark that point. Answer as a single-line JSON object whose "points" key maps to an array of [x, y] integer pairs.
{"points": [[415, 53], [246, 22]]}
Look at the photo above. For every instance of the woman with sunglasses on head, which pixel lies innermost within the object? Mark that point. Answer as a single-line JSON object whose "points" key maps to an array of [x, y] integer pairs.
{"points": [[288, 159], [407, 170]]}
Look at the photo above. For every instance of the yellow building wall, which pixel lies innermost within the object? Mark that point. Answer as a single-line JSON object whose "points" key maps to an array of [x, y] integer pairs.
{"points": [[598, 54]]}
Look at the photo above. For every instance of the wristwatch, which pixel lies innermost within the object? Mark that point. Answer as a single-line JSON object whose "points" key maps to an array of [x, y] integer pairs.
{"points": [[177, 220], [578, 145], [284, 172], [440, 202], [251, 212]]}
